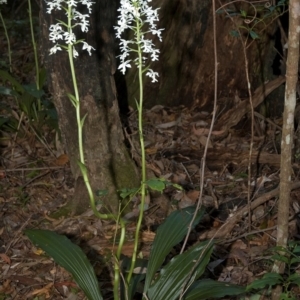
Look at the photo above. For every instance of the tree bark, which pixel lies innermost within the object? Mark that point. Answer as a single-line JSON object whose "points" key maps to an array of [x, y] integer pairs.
{"points": [[109, 164], [186, 64], [287, 136]]}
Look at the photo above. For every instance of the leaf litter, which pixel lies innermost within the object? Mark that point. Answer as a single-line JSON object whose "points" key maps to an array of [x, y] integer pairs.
{"points": [[34, 185]]}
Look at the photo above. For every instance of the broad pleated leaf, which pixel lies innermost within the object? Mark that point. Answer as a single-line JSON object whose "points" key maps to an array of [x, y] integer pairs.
{"points": [[70, 257], [169, 234], [210, 289], [268, 279], [15, 84], [138, 276], [179, 270]]}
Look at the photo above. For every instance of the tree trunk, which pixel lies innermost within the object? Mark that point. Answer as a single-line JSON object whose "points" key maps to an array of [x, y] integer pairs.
{"points": [[287, 137], [109, 164], [186, 64]]}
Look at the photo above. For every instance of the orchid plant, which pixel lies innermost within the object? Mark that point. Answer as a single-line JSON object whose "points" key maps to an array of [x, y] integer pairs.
{"points": [[63, 36], [6, 36], [141, 18], [178, 277], [138, 16]]}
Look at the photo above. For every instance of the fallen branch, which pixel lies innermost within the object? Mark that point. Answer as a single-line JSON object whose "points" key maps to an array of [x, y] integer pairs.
{"points": [[232, 221], [234, 115]]}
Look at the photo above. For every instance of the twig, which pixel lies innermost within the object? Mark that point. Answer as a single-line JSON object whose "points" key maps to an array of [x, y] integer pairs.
{"points": [[32, 169], [19, 231], [245, 235], [187, 173], [203, 160], [257, 114]]}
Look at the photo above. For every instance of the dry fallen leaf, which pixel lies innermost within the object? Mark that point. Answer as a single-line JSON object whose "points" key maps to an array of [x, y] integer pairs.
{"points": [[205, 131], [203, 141], [5, 258], [148, 236], [62, 160], [46, 290], [193, 195]]}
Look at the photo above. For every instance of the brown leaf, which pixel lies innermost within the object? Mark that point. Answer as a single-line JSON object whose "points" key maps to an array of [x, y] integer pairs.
{"points": [[151, 151], [203, 141], [5, 258], [148, 236], [205, 131], [44, 291], [193, 195], [62, 160], [265, 238]]}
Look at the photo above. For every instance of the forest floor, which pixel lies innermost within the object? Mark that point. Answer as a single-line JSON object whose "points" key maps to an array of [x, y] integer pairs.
{"points": [[36, 181]]}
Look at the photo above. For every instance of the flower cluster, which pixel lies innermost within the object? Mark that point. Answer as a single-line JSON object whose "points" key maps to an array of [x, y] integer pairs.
{"points": [[134, 14], [61, 31]]}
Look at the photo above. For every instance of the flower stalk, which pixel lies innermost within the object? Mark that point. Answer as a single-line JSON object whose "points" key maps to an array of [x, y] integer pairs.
{"points": [[62, 34], [134, 15]]}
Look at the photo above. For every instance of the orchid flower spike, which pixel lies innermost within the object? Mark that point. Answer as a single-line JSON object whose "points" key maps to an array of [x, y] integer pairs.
{"points": [[133, 15], [61, 33]]}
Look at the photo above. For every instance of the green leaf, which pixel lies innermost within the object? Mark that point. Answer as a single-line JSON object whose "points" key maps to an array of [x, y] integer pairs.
{"points": [[175, 185], [243, 13], [295, 260], [254, 35], [179, 271], [6, 91], [234, 33], [294, 278], [101, 193], [280, 258], [3, 120], [33, 91], [279, 249], [207, 288], [15, 84], [156, 184], [124, 193], [82, 120], [42, 77], [244, 27], [70, 257], [82, 167], [138, 276], [281, 2], [72, 99], [169, 234], [296, 250], [286, 296], [268, 279]]}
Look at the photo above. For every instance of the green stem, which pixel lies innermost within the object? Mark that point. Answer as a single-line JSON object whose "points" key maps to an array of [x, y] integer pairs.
{"points": [[37, 80], [8, 42], [37, 71], [143, 154], [80, 127], [84, 170]]}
